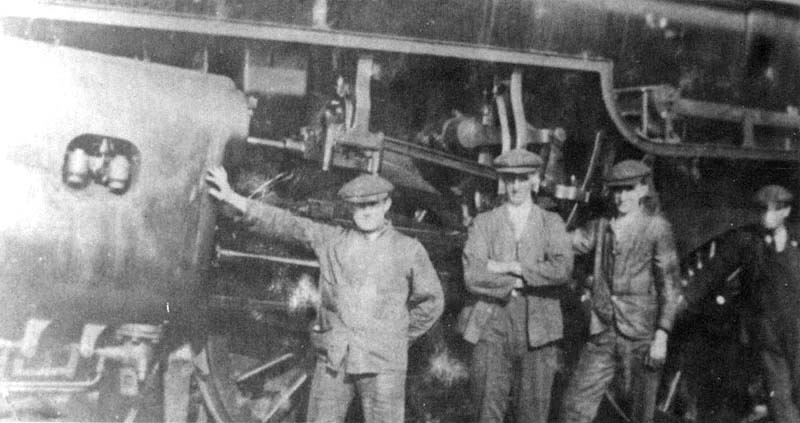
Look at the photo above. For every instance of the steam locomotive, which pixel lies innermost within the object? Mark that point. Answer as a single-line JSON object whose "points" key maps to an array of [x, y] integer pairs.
{"points": [[110, 256]]}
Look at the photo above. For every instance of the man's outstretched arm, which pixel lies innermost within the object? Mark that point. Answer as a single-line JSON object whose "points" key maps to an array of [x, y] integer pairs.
{"points": [[265, 218]]}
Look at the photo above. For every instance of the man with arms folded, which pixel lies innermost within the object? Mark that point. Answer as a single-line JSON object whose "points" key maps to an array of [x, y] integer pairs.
{"points": [[515, 258]]}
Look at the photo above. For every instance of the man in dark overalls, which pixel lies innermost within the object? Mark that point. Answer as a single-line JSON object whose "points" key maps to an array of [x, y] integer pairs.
{"points": [[769, 258]]}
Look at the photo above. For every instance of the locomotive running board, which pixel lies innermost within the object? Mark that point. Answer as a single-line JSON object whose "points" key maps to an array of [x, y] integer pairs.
{"points": [[72, 11]]}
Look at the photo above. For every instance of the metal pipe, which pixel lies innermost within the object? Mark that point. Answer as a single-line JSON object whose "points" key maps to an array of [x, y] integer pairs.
{"points": [[518, 110], [732, 113], [363, 97], [263, 367], [286, 144], [438, 157], [686, 150], [502, 117], [56, 387], [243, 303], [673, 388], [645, 114], [285, 396], [225, 253], [67, 370], [593, 160]]}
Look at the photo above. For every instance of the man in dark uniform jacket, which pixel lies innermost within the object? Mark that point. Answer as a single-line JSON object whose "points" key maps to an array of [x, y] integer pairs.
{"points": [[769, 259], [634, 296]]}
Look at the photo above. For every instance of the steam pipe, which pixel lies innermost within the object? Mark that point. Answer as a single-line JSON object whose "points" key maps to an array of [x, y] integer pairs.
{"points": [[56, 387]]}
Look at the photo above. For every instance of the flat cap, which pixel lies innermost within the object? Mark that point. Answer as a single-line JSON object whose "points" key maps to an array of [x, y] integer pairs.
{"points": [[366, 188], [627, 172], [517, 161], [772, 194]]}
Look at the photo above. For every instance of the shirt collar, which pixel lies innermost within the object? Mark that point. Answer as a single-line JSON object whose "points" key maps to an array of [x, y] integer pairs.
{"points": [[523, 208], [387, 224], [632, 220]]}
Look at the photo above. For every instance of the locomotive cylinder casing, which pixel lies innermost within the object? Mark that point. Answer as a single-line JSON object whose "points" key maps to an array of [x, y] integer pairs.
{"points": [[103, 251]]}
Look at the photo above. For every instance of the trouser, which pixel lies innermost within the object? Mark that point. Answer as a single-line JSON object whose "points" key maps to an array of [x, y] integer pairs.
{"points": [[717, 370], [780, 357], [783, 389], [503, 363], [496, 372], [382, 395], [601, 357]]}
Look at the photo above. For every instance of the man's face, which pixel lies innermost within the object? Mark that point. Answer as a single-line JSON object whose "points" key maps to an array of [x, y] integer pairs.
{"points": [[370, 216], [774, 215], [520, 186], [628, 198]]}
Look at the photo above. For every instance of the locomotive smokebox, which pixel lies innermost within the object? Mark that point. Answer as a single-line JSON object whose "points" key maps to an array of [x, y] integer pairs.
{"points": [[104, 215]]}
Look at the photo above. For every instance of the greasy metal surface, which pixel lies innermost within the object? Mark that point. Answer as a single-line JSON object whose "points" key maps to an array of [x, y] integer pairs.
{"points": [[713, 51], [87, 254], [686, 150], [722, 51], [695, 47], [297, 34], [438, 157]]}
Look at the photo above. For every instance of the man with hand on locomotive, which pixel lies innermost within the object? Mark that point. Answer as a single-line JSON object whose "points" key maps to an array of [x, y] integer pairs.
{"points": [[379, 291]]}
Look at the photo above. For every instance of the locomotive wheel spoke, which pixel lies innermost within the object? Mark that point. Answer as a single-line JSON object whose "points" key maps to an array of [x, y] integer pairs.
{"points": [[249, 383]]}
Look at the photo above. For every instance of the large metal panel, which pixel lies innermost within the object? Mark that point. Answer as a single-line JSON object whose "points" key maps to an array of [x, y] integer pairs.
{"points": [[87, 251]]}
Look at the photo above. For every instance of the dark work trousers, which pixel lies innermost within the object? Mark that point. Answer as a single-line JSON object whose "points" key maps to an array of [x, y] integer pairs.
{"points": [[503, 363], [779, 332], [382, 395], [602, 357], [780, 356]]}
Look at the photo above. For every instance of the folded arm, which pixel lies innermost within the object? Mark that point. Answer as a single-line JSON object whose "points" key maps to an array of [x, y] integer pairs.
{"points": [[555, 268], [478, 278]]}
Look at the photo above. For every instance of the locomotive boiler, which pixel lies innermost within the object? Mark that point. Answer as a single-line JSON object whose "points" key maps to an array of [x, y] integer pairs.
{"points": [[106, 232]]}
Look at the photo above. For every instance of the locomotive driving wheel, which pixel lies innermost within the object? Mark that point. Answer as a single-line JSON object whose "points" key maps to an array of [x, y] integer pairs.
{"points": [[257, 369]]}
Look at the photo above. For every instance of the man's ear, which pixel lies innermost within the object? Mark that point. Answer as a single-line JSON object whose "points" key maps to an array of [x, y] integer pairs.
{"points": [[642, 189], [536, 181], [387, 204]]}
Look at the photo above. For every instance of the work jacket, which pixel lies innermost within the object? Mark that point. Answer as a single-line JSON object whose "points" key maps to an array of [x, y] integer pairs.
{"points": [[545, 256], [635, 286], [377, 295]]}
